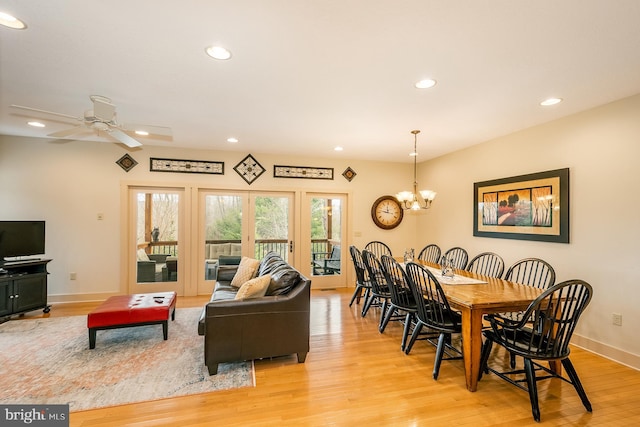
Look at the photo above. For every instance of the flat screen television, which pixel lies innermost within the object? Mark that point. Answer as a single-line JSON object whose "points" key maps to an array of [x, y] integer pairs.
{"points": [[21, 238]]}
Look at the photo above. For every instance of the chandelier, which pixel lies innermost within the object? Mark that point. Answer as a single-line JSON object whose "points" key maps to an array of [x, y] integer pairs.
{"points": [[416, 200]]}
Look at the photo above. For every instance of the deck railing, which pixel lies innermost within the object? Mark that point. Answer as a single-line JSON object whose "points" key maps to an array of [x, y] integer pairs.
{"points": [[262, 246]]}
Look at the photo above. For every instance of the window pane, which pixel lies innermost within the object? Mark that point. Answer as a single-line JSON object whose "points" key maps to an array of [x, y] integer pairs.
{"points": [[157, 237]]}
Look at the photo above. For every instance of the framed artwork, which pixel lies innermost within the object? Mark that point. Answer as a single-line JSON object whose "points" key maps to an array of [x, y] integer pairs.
{"points": [[349, 174], [126, 162], [302, 172], [186, 166], [525, 207], [249, 169]]}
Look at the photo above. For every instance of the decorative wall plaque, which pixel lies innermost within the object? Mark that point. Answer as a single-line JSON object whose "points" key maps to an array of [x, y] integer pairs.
{"points": [[126, 162], [186, 166], [249, 169], [349, 174], [302, 172]]}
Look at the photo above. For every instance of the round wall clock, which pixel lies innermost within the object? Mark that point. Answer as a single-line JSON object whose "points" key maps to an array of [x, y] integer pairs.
{"points": [[386, 212]]}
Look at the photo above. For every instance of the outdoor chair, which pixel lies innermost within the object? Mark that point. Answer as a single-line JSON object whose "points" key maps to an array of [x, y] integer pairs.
{"points": [[430, 253], [554, 316], [380, 294], [378, 248], [402, 306], [457, 256], [487, 264], [362, 276], [433, 312], [325, 263]]}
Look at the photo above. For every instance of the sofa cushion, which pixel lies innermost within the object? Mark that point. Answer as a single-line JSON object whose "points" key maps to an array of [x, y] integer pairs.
{"points": [[254, 288], [246, 271], [235, 249], [283, 279], [142, 255], [214, 250], [229, 259], [283, 276]]}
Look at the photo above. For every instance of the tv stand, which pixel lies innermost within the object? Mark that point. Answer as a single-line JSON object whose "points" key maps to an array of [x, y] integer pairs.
{"points": [[23, 286]]}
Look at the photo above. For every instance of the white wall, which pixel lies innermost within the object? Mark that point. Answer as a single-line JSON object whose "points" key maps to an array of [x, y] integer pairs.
{"points": [[601, 147], [69, 183]]}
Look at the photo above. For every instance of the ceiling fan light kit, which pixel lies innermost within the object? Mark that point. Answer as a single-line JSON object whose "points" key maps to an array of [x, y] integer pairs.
{"points": [[101, 120]]}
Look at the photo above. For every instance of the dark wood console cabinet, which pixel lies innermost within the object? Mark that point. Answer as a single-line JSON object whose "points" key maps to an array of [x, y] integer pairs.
{"points": [[23, 287]]}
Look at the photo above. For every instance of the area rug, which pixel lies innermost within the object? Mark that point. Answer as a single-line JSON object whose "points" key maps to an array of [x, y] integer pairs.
{"points": [[48, 361]]}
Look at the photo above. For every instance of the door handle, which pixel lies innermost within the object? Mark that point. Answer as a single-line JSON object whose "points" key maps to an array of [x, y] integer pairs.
{"points": [[291, 246]]}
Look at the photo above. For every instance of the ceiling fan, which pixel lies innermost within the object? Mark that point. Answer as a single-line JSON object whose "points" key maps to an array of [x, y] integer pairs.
{"points": [[102, 119]]}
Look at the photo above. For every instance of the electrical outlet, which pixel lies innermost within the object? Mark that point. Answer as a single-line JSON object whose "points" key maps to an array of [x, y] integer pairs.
{"points": [[72, 276], [616, 319]]}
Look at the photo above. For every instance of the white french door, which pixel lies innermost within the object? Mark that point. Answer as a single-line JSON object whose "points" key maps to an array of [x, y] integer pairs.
{"points": [[324, 229], [155, 240], [252, 223]]}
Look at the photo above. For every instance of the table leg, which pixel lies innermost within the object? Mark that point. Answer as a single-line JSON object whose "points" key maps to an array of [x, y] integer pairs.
{"points": [[471, 345]]}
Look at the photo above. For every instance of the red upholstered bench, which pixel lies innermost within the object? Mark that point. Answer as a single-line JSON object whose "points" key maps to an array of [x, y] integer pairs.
{"points": [[124, 311]]}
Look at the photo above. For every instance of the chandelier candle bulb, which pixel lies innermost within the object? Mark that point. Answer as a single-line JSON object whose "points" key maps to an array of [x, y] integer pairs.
{"points": [[416, 200]]}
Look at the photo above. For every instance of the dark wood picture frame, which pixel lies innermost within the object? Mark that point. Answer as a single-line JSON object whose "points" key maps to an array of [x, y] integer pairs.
{"points": [[525, 207], [186, 166], [304, 172]]}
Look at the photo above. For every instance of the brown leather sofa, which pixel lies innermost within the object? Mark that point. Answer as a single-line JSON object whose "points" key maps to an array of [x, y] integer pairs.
{"points": [[274, 325]]}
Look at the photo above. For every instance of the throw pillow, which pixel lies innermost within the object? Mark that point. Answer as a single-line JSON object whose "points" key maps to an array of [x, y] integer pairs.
{"points": [[254, 288], [246, 271], [142, 255]]}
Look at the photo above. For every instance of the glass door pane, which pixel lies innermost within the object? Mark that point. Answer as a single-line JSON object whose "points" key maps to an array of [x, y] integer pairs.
{"points": [[326, 228], [157, 234], [222, 230], [272, 219]]}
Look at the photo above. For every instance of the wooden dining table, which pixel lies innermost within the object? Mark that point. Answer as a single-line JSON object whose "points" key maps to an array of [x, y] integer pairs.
{"points": [[474, 301]]}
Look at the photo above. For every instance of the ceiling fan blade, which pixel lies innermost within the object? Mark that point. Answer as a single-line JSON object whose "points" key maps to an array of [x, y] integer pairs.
{"points": [[37, 110], [152, 129], [67, 132], [123, 137], [103, 110]]}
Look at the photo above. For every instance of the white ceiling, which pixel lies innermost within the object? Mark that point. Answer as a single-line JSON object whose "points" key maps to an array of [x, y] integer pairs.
{"points": [[308, 75]]}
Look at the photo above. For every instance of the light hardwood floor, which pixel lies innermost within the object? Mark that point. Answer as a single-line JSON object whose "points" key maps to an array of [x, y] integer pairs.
{"points": [[356, 376]]}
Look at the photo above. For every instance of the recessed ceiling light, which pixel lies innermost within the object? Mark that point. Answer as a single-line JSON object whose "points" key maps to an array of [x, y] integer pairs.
{"points": [[338, 148], [218, 52], [11, 21], [551, 101], [36, 124], [142, 133], [232, 140], [425, 84]]}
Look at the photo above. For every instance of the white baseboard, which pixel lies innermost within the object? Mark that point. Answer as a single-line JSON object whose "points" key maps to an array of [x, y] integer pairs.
{"points": [[617, 355], [67, 298]]}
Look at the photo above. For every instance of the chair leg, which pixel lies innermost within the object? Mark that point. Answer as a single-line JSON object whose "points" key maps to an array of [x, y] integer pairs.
{"points": [[414, 336], [484, 357], [439, 354], [405, 331], [573, 376], [533, 388], [356, 294], [367, 304], [385, 317], [512, 360]]}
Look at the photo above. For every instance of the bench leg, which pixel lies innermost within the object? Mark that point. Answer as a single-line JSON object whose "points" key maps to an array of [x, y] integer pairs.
{"points": [[165, 329], [92, 338], [173, 314]]}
